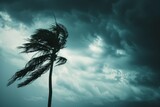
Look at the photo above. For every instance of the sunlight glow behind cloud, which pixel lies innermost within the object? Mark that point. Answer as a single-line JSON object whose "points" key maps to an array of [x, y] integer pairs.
{"points": [[97, 45]]}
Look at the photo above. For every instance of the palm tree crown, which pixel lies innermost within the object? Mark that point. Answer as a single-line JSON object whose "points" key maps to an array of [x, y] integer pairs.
{"points": [[45, 43]]}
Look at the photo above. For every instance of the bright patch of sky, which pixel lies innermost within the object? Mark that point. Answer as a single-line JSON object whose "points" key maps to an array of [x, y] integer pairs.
{"points": [[97, 45]]}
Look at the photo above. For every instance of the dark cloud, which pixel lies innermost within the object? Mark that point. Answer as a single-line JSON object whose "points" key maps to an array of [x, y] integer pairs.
{"points": [[147, 78], [26, 10], [143, 21]]}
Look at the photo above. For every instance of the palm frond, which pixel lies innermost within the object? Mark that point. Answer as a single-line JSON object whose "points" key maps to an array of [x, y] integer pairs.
{"points": [[20, 74], [32, 40], [38, 60], [33, 47], [46, 37], [41, 34], [60, 61], [30, 66], [34, 75], [62, 33]]}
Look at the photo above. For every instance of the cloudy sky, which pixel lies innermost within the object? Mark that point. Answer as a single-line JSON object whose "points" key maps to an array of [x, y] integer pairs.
{"points": [[113, 52]]}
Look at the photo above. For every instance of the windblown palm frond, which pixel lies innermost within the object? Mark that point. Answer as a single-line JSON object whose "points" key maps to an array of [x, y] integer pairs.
{"points": [[33, 47], [60, 30], [33, 64], [50, 39], [34, 75], [60, 60], [39, 35]]}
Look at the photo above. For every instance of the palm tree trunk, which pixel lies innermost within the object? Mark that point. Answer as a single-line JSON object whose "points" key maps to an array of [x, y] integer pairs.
{"points": [[50, 83]]}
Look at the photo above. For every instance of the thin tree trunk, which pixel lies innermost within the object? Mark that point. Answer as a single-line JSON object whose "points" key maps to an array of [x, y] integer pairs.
{"points": [[50, 83]]}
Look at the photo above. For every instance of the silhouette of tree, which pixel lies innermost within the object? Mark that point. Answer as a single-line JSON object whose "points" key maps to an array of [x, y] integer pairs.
{"points": [[45, 43]]}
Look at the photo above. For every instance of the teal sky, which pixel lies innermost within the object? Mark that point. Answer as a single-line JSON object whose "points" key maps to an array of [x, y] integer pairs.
{"points": [[112, 50]]}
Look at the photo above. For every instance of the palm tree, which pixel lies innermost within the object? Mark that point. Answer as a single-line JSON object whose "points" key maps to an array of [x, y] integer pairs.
{"points": [[45, 44]]}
